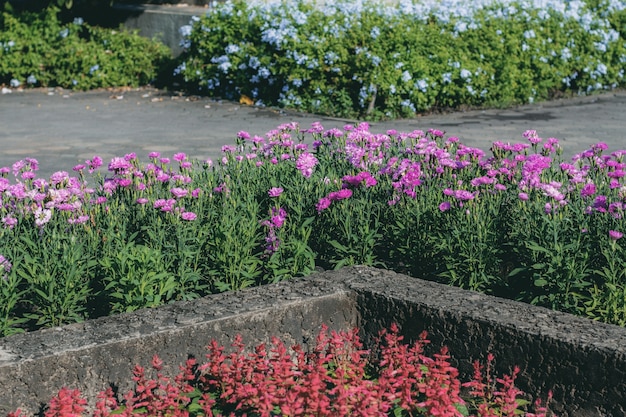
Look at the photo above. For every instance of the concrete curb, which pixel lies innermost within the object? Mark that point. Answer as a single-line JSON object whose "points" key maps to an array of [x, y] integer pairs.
{"points": [[583, 362]]}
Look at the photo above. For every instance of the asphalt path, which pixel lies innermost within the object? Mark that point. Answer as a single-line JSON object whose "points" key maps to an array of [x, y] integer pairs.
{"points": [[61, 128]]}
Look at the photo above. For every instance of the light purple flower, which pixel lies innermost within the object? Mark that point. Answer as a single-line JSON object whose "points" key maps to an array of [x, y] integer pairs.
{"points": [[142, 200], [78, 220], [42, 216], [275, 191], [445, 206], [58, 177], [179, 192], [615, 235], [180, 156], [5, 266], [523, 196], [463, 195], [305, 164], [119, 164], [9, 222], [189, 215], [154, 155], [243, 135]]}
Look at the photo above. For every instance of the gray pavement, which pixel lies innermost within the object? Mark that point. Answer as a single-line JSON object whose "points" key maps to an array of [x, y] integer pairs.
{"points": [[61, 128]]}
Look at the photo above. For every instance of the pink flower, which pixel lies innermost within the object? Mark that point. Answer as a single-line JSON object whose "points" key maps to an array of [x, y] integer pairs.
{"points": [[305, 164], [154, 155], [9, 222], [189, 216], [180, 157], [523, 196], [615, 235], [142, 200], [275, 191], [445, 206]]}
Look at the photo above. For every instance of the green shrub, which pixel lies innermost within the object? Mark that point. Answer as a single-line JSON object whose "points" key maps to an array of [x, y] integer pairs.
{"points": [[372, 60], [36, 49]]}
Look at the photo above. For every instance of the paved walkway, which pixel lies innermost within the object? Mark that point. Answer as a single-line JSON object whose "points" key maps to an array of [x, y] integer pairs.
{"points": [[61, 128]]}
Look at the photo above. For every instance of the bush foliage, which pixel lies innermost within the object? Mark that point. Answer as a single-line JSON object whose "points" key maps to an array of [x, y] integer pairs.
{"points": [[37, 49], [393, 59]]}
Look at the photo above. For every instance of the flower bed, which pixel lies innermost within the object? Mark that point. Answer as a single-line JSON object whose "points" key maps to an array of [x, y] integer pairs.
{"points": [[337, 378], [392, 59], [520, 224]]}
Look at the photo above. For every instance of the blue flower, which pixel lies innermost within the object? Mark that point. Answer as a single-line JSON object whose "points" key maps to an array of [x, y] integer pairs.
{"points": [[94, 69]]}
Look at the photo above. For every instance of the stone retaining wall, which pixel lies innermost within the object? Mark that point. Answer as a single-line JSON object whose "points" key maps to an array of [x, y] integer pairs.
{"points": [[583, 362]]}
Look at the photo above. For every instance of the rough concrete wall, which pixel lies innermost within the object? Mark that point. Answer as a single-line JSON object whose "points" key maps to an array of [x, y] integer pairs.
{"points": [[160, 22], [583, 362], [91, 355]]}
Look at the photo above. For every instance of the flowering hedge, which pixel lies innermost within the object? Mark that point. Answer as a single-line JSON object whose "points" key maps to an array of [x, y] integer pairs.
{"points": [[337, 378], [391, 59], [520, 224]]}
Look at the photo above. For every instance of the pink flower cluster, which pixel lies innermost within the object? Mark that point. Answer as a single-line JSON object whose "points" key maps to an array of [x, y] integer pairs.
{"points": [[334, 380]]}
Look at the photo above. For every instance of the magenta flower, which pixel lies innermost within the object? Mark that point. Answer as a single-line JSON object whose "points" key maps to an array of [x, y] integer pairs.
{"points": [[94, 163], [615, 235], [523, 196], [154, 155], [189, 216], [340, 195], [124, 182], [445, 206], [323, 204], [588, 190], [142, 200], [275, 191], [278, 217], [305, 164]]}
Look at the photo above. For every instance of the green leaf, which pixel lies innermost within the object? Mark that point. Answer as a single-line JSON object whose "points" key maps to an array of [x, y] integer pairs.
{"points": [[540, 282]]}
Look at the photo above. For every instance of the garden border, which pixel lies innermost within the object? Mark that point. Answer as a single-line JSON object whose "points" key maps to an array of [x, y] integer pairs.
{"points": [[582, 361]]}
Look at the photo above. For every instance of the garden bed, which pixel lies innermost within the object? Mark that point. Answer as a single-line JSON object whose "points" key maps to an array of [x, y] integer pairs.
{"points": [[582, 362]]}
